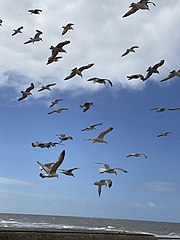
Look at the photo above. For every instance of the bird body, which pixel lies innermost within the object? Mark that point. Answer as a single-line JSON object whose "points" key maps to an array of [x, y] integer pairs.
{"points": [[51, 172], [86, 106], [103, 182], [157, 109], [100, 137]]}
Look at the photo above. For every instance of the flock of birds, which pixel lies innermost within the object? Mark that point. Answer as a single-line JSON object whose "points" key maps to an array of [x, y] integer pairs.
{"points": [[50, 169]]}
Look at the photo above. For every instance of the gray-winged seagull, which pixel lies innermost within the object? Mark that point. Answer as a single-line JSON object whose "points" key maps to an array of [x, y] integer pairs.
{"points": [[153, 69], [46, 87], [100, 137], [103, 182], [136, 155], [86, 106], [36, 38], [100, 80], [78, 71], [16, 31], [91, 127], [108, 169], [128, 50], [67, 28], [27, 92]]}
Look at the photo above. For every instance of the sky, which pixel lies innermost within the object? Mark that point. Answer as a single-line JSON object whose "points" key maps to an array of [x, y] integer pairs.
{"points": [[150, 188]]}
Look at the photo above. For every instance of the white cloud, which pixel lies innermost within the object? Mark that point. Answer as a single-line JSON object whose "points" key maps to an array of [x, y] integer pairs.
{"points": [[150, 205], [13, 181], [159, 186], [100, 35]]}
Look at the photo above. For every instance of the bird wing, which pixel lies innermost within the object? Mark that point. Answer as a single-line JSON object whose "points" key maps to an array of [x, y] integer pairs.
{"points": [[125, 53], [106, 166], [171, 75], [71, 169], [30, 88], [133, 47], [29, 41], [99, 190], [72, 74], [172, 109], [159, 64], [109, 81], [121, 169], [46, 169], [61, 44], [23, 97], [133, 10], [142, 154], [38, 34], [86, 67], [58, 163], [101, 135], [51, 84], [94, 125], [109, 183], [52, 111]]}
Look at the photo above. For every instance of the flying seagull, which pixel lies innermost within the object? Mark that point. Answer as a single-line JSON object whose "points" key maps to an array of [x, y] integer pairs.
{"points": [[128, 50], [92, 127], [16, 31], [58, 48], [27, 92], [103, 182], [78, 71], [63, 137], [52, 59], [164, 134], [36, 38], [1, 21], [108, 169], [67, 28], [55, 102], [51, 172], [44, 145], [153, 69], [35, 11], [58, 110], [157, 109], [100, 80], [69, 171], [141, 5], [86, 106], [136, 155], [172, 74], [46, 87], [135, 76], [100, 137]]}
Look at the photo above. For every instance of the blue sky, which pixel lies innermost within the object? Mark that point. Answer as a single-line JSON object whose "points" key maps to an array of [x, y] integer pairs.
{"points": [[150, 189]]}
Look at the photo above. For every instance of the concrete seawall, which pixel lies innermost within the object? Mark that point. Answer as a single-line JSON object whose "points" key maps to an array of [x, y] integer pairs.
{"points": [[44, 234]]}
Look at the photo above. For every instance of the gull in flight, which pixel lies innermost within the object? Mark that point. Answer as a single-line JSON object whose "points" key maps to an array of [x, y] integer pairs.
{"points": [[46, 87], [27, 92], [136, 155], [35, 11], [67, 28], [100, 80], [52, 59], [103, 182], [58, 48], [157, 109], [63, 137], [100, 137], [51, 172], [78, 71], [153, 69], [68, 172], [58, 110], [164, 134], [86, 106], [131, 49], [108, 169], [92, 127], [135, 76], [55, 102], [16, 31], [45, 145], [172, 74], [36, 38], [142, 4], [1, 21]]}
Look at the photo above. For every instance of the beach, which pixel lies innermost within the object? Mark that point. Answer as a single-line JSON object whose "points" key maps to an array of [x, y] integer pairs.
{"points": [[49, 234]]}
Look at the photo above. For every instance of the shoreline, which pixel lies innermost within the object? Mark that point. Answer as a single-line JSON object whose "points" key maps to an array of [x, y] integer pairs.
{"points": [[69, 234]]}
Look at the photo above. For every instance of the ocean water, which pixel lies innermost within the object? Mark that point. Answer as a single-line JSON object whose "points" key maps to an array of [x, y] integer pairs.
{"points": [[162, 230]]}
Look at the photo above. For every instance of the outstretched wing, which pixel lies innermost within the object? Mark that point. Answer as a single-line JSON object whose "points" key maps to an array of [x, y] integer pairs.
{"points": [[58, 163], [61, 44], [171, 75], [125, 53], [101, 135], [133, 10], [38, 34], [51, 84], [30, 88], [72, 74], [42, 166], [121, 169], [159, 64], [86, 67], [109, 183]]}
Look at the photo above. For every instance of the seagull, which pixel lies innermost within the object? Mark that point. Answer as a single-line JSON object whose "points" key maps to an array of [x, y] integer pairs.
{"points": [[136, 76], [63, 137], [1, 21], [35, 11], [58, 48], [36, 38], [136, 155], [86, 106], [52, 59], [157, 109], [100, 137], [67, 28], [164, 134], [58, 110], [46, 87], [78, 71], [108, 169], [92, 127], [55, 102], [44, 145], [142, 4], [16, 31], [172, 74], [128, 50], [27, 92], [153, 69], [100, 80], [106, 182], [69, 171], [51, 172]]}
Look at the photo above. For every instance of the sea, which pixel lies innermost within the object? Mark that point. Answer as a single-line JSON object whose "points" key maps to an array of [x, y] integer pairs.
{"points": [[162, 230]]}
